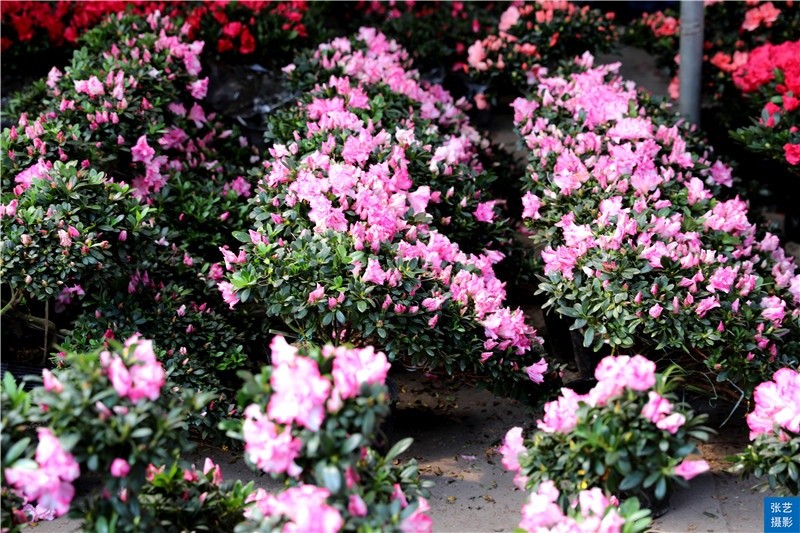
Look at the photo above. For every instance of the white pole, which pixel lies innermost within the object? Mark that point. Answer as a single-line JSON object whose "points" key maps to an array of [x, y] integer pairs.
{"points": [[691, 66]]}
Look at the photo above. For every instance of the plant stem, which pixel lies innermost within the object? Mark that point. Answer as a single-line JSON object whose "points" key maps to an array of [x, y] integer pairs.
{"points": [[16, 296]]}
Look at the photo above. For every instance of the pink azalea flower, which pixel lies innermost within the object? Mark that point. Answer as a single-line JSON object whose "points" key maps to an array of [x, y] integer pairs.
{"points": [[141, 151], [773, 308], [689, 469], [316, 294], [299, 393], [536, 371], [120, 467], [356, 506], [671, 423], [228, 293], [513, 446], [655, 311], [51, 383], [485, 211], [418, 521], [354, 367], [266, 446], [531, 204]]}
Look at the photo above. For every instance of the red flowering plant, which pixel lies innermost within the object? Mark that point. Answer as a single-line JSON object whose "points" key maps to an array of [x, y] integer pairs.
{"points": [[311, 419], [771, 78], [628, 437], [774, 425], [534, 35], [41, 34], [639, 251], [258, 30], [726, 49]]}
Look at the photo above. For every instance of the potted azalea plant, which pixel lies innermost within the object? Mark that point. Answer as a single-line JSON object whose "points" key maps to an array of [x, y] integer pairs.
{"points": [[628, 435]]}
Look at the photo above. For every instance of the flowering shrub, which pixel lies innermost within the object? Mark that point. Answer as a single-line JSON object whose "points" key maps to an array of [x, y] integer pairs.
{"points": [[591, 511], [775, 431], [771, 78], [533, 35], [36, 485], [67, 228], [145, 126], [108, 412], [369, 79], [628, 435], [343, 250], [198, 343], [266, 31], [185, 499], [724, 50], [468, 203], [638, 249], [310, 419], [436, 34]]}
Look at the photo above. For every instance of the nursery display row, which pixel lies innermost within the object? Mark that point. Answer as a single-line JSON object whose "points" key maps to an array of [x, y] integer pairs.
{"points": [[182, 272]]}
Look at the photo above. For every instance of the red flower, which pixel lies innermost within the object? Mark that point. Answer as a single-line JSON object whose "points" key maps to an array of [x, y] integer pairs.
{"points": [[232, 29], [790, 103], [248, 43], [792, 152], [223, 45]]}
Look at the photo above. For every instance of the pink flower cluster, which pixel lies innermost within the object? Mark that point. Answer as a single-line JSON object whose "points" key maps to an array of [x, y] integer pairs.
{"points": [[595, 512], [614, 375], [302, 508], [100, 106], [363, 188], [136, 374], [48, 479], [777, 404], [640, 175], [303, 397]]}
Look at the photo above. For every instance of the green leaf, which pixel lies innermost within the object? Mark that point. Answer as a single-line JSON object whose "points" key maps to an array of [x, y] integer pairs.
{"points": [[331, 478], [16, 450], [632, 480], [361, 305], [141, 433], [399, 448], [588, 337]]}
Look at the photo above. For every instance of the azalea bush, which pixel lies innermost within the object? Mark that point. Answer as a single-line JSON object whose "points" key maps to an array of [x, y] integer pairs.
{"points": [[640, 249], [368, 74], [188, 498], [535, 35], [628, 436], [37, 468], [589, 512], [258, 31], [774, 426], [311, 420], [353, 257], [771, 78], [66, 228], [437, 34], [144, 233]]}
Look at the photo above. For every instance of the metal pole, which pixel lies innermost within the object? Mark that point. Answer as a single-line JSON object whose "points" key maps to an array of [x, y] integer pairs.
{"points": [[691, 66]]}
